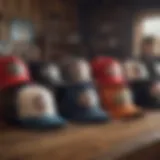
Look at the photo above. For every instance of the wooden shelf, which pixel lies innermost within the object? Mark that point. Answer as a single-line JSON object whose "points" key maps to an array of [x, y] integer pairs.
{"points": [[77, 142]]}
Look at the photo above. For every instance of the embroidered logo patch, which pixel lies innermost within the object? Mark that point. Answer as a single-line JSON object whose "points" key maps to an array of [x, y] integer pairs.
{"points": [[38, 103], [123, 97], [15, 69], [88, 98]]}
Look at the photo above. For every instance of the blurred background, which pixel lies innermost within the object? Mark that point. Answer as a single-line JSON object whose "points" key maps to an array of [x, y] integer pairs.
{"points": [[84, 27], [49, 30]]}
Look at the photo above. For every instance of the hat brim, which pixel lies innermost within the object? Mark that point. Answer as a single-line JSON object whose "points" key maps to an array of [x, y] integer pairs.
{"points": [[91, 115], [126, 112], [45, 122]]}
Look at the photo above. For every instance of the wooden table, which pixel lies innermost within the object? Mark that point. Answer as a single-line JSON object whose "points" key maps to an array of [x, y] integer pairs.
{"points": [[80, 142]]}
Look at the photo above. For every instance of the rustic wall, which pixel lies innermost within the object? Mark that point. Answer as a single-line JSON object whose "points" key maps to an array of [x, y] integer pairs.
{"points": [[38, 11], [111, 31], [108, 29], [55, 21], [21, 9]]}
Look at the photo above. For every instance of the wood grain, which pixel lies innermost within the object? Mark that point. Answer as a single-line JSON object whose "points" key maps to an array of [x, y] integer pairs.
{"points": [[77, 142]]}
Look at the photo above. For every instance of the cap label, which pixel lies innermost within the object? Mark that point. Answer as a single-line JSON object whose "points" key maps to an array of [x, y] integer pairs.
{"points": [[80, 72], [123, 97], [115, 70], [16, 69], [88, 98], [136, 71]]}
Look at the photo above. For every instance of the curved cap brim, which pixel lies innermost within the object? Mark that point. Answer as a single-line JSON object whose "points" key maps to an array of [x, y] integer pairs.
{"points": [[43, 122], [95, 115]]}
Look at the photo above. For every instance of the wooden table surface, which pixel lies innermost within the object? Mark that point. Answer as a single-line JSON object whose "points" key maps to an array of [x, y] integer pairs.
{"points": [[80, 142]]}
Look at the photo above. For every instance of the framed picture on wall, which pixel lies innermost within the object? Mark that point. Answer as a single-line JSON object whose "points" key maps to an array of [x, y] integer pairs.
{"points": [[21, 30]]}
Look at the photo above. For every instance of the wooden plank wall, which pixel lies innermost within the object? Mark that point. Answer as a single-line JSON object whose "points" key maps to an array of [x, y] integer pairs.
{"points": [[19, 9], [37, 11], [111, 31], [57, 32]]}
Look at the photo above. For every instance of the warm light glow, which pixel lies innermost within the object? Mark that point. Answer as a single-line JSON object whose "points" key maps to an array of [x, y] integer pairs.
{"points": [[152, 26]]}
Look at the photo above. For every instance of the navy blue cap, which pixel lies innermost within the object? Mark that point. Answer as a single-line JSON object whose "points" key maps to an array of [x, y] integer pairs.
{"points": [[71, 109], [91, 115], [45, 122]]}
